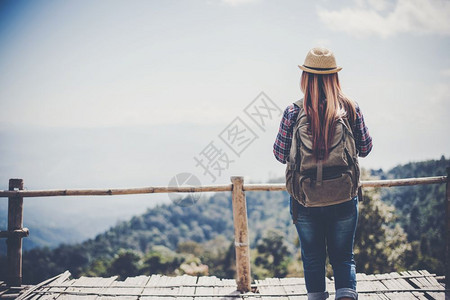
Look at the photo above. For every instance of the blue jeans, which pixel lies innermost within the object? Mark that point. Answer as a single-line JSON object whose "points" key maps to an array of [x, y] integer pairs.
{"points": [[329, 228]]}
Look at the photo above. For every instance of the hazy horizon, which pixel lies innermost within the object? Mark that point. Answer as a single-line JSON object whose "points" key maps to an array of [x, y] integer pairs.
{"points": [[110, 94]]}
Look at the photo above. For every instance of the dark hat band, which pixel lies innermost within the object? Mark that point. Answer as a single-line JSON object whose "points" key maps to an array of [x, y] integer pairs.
{"points": [[320, 69]]}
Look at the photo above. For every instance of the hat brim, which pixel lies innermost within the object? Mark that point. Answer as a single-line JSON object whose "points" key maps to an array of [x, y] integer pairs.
{"points": [[306, 69]]}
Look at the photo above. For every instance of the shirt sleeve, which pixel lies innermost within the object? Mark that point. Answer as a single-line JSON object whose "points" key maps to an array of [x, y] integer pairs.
{"points": [[363, 139], [282, 145]]}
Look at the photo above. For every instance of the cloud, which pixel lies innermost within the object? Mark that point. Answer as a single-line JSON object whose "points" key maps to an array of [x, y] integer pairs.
{"points": [[439, 95], [445, 72], [237, 2], [389, 18], [322, 42]]}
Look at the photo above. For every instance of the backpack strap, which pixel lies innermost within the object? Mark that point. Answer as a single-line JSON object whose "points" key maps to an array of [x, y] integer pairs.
{"points": [[299, 103], [293, 162], [348, 126]]}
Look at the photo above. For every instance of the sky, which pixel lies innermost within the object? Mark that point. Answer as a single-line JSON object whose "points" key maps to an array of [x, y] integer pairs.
{"points": [[108, 94]]}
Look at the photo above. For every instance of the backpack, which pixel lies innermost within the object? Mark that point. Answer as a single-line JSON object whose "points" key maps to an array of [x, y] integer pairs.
{"points": [[325, 182]]}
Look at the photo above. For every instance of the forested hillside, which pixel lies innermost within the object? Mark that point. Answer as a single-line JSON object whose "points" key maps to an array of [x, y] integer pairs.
{"points": [[421, 212], [399, 228]]}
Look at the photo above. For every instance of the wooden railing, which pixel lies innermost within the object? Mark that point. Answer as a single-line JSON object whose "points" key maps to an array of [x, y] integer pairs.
{"points": [[16, 232]]}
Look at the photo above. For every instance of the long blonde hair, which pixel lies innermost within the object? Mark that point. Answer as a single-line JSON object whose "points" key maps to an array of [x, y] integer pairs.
{"points": [[324, 103]]}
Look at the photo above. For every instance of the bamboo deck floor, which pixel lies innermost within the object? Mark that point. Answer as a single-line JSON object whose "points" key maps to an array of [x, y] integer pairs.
{"points": [[403, 285]]}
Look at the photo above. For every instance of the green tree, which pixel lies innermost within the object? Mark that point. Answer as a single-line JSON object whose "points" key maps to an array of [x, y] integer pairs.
{"points": [[273, 254], [380, 244], [98, 268], [125, 264], [421, 212], [160, 260]]}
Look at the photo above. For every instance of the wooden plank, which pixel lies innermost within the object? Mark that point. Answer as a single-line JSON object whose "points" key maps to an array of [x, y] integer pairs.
{"points": [[205, 286], [431, 283], [373, 296], [136, 285], [116, 290], [294, 286], [90, 287], [385, 286], [85, 285], [262, 288], [112, 192], [447, 230], [436, 295], [205, 188], [382, 296], [154, 287], [362, 283], [128, 289], [109, 290], [75, 286], [367, 283], [375, 283], [432, 280], [229, 287], [151, 287], [408, 275], [395, 282], [401, 282], [52, 281], [301, 288], [14, 243], [277, 288], [271, 286], [391, 284], [420, 283], [178, 282], [47, 288], [215, 283], [419, 295], [105, 284], [265, 289], [187, 287], [258, 284], [241, 240], [169, 287], [424, 283], [64, 287]]}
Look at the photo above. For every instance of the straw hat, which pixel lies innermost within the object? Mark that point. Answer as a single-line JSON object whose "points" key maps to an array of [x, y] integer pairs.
{"points": [[320, 61]]}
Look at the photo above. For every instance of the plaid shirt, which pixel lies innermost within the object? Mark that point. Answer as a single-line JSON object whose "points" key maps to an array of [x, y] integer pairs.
{"points": [[282, 145]]}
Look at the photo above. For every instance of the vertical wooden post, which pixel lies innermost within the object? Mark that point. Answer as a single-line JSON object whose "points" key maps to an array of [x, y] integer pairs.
{"points": [[14, 242], [241, 234], [447, 245]]}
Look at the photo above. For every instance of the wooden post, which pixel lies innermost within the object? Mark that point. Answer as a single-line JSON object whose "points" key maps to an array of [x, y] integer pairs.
{"points": [[241, 234], [14, 242], [447, 245]]}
